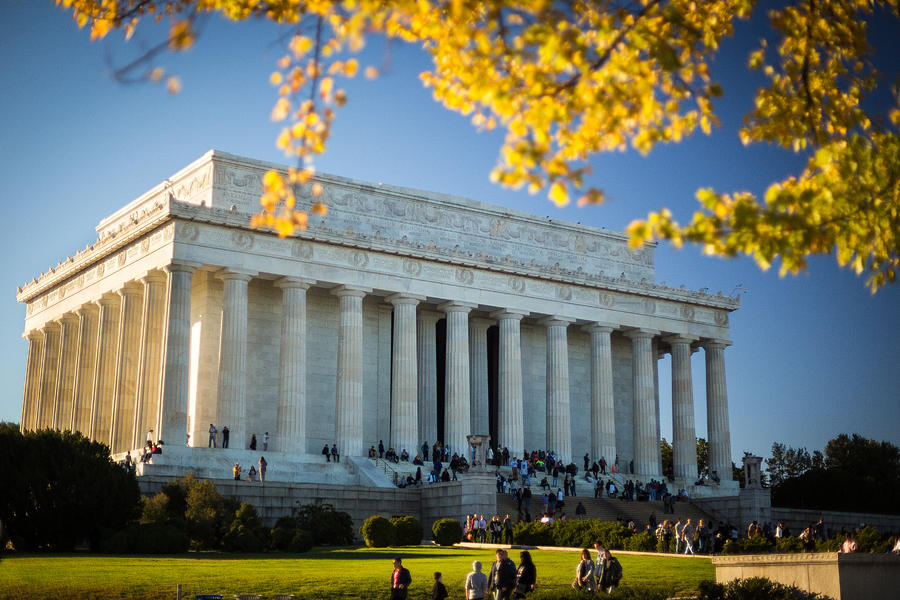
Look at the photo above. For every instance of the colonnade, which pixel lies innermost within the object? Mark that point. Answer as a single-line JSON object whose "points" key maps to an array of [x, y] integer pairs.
{"points": [[119, 366]]}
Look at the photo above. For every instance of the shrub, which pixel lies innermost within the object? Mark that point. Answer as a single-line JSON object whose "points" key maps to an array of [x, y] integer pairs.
{"points": [[378, 532], [662, 546], [573, 534], [624, 593], [832, 544], [446, 532], [152, 538], [246, 533], [788, 545], [533, 534], [282, 536], [869, 540], [733, 547], [408, 531], [301, 542], [328, 527], [610, 533], [644, 541], [758, 544], [754, 588]]}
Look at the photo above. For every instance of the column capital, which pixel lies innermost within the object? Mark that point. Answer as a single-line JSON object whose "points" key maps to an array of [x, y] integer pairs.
{"points": [[430, 315], [182, 266], [67, 318], [600, 327], [404, 298], [556, 321], [227, 273], [509, 313], [455, 306], [132, 288], [153, 276], [84, 309], [680, 339], [33, 335], [641, 333], [715, 343], [481, 322], [107, 300], [294, 283], [50, 326], [350, 290]]}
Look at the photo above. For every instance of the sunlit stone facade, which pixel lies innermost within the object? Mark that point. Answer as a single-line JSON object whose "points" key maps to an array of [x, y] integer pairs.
{"points": [[402, 316]]}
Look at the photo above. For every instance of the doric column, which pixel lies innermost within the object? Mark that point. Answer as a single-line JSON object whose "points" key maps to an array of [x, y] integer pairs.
{"points": [[478, 375], [31, 398], [50, 361], [291, 434], [717, 409], [84, 368], [105, 367], [348, 406], [457, 407], [172, 424], [121, 421], [559, 427], [646, 444], [233, 357], [684, 442], [426, 358], [404, 383], [603, 407], [149, 367], [510, 402], [68, 337]]}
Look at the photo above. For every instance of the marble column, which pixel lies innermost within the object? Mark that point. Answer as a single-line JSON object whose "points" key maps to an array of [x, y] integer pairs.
{"points": [[32, 375], [559, 428], [510, 399], [717, 409], [149, 367], [105, 367], [172, 426], [233, 357], [291, 433], [50, 361], [646, 443], [121, 422], [603, 406], [84, 377], [684, 442], [478, 375], [348, 407], [404, 381], [68, 338], [457, 406], [426, 358]]}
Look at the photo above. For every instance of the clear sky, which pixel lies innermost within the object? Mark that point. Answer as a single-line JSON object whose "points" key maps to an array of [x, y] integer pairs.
{"points": [[813, 356]]}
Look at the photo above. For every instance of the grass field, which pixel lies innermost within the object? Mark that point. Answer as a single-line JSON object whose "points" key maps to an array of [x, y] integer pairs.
{"points": [[346, 573]]}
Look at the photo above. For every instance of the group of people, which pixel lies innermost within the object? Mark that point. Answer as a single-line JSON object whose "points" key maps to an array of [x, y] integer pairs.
{"points": [[226, 438], [476, 529], [603, 573], [504, 581], [331, 454], [253, 472]]}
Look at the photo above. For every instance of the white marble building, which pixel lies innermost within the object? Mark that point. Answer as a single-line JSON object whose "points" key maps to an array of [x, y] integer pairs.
{"points": [[402, 316]]}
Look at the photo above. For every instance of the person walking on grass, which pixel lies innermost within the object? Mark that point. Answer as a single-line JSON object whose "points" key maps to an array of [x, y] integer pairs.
{"points": [[476, 583], [400, 580]]}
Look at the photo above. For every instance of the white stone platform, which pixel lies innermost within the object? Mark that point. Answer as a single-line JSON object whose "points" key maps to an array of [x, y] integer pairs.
{"points": [[217, 463]]}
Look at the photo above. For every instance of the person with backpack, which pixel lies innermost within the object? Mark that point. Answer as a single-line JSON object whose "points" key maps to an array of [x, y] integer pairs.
{"points": [[610, 573]]}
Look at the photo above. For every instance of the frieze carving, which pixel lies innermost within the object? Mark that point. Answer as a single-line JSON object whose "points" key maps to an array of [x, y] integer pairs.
{"points": [[359, 259], [563, 292], [145, 245], [517, 284], [411, 267], [649, 306], [301, 250], [242, 240], [122, 258], [607, 300], [687, 312], [721, 317], [465, 276], [189, 232]]}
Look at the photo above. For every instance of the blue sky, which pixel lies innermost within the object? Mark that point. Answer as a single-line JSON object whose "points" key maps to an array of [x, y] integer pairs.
{"points": [[813, 356]]}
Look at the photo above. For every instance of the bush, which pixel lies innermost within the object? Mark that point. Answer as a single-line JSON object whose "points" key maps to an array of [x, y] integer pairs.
{"points": [[624, 593], [758, 544], [610, 533], [282, 536], [788, 545], [644, 541], [408, 531], [733, 547], [328, 527], [378, 532], [662, 546], [152, 538], [754, 588], [446, 532], [246, 533], [533, 534], [301, 542]]}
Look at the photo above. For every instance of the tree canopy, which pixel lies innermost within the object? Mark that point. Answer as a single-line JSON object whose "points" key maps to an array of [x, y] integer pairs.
{"points": [[568, 80]]}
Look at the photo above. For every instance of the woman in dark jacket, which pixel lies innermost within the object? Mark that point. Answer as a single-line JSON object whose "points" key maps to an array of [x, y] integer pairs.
{"points": [[526, 576]]}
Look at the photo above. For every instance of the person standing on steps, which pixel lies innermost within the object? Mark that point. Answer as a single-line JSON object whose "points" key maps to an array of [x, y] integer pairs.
{"points": [[212, 436], [226, 433]]}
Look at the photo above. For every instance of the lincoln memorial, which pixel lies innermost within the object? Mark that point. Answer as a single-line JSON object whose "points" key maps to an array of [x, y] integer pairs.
{"points": [[402, 316]]}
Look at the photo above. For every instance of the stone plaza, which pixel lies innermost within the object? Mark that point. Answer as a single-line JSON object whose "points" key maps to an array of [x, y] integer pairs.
{"points": [[402, 316]]}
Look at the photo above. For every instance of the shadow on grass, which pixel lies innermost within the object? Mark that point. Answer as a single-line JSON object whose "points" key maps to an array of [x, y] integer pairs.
{"points": [[355, 553]]}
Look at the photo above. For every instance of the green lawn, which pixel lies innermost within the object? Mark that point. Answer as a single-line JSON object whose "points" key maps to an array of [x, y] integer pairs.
{"points": [[350, 573]]}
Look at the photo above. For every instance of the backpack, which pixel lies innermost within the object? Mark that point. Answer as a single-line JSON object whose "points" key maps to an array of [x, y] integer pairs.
{"points": [[615, 571]]}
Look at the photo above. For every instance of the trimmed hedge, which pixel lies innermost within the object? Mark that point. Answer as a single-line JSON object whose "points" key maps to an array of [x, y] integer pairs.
{"points": [[754, 588], [574, 534], [408, 531], [378, 532], [446, 532], [149, 538]]}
